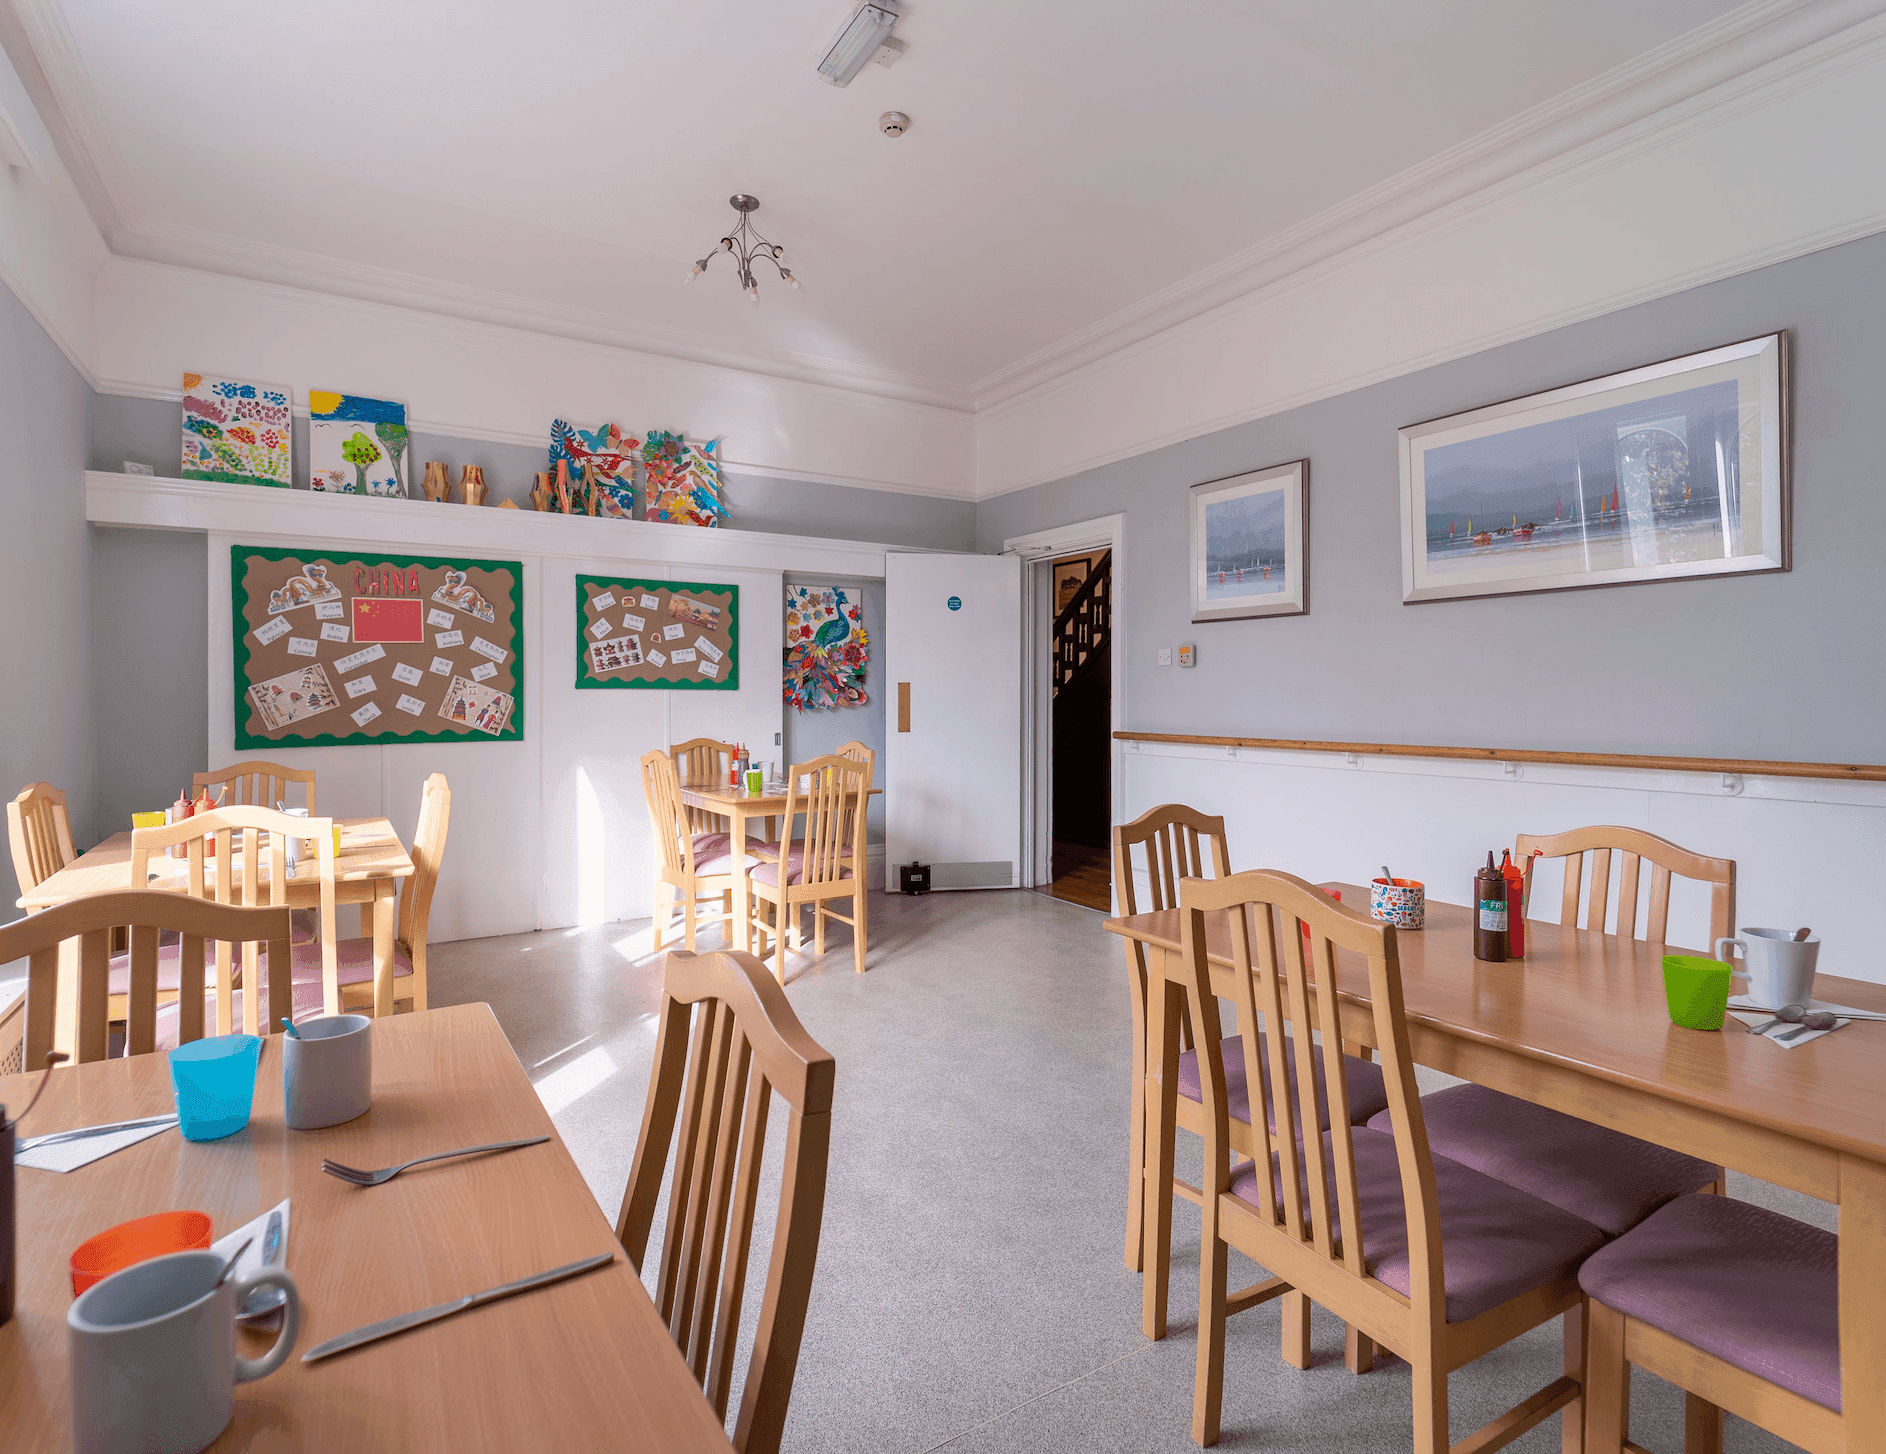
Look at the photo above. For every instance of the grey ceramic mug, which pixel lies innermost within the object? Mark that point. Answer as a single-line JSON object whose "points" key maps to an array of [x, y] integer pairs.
{"points": [[153, 1350], [327, 1071]]}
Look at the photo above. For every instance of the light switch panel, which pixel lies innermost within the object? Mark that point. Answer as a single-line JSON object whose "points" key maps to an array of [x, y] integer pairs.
{"points": [[1188, 655], [1165, 656]]}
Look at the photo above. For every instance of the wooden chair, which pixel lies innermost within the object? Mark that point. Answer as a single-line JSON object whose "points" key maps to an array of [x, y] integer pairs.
{"points": [[826, 864], [1436, 1262], [1634, 847], [702, 760], [147, 913], [689, 866], [248, 831], [729, 1030], [858, 752], [256, 784], [1172, 839], [352, 989], [1736, 1305], [40, 833]]}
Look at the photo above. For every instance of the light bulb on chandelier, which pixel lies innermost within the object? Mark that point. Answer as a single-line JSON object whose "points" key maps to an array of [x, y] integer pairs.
{"points": [[746, 245]]}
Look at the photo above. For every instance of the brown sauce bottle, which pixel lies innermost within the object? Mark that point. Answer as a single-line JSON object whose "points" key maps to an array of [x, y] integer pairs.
{"points": [[1489, 923]]}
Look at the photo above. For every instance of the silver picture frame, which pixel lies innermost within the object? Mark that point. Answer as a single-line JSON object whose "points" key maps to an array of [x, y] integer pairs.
{"points": [[1675, 470], [1250, 544]]}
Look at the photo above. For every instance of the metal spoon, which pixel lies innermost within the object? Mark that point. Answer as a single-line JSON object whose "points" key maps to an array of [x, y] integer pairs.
{"points": [[229, 1266], [1819, 1020], [1786, 1015], [1800, 935]]}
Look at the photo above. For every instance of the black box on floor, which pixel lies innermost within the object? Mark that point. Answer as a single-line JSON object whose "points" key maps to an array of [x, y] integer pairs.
{"points": [[913, 877]]}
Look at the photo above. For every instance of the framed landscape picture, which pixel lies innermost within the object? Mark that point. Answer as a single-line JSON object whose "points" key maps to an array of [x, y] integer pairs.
{"points": [[1673, 470], [1250, 544]]}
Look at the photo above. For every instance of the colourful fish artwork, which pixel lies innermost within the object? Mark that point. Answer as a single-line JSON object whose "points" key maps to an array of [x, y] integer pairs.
{"points": [[682, 480], [356, 446], [827, 651], [236, 433], [611, 452]]}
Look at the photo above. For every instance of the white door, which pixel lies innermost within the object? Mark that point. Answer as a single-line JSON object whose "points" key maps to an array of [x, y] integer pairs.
{"points": [[953, 728]]}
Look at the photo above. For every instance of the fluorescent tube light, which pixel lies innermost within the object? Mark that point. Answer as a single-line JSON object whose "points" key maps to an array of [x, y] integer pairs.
{"points": [[863, 36]]}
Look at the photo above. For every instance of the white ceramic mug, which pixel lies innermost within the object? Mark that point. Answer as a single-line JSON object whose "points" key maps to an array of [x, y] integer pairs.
{"points": [[327, 1071], [1780, 970], [290, 843], [153, 1351]]}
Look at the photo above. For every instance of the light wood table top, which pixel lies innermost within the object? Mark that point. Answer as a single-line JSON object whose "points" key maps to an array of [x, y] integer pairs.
{"points": [[370, 851], [1594, 1004], [585, 1364], [728, 800]]}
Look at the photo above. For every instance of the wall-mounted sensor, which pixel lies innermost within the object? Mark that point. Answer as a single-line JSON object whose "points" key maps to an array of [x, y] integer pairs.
{"points": [[893, 123], [1188, 654]]}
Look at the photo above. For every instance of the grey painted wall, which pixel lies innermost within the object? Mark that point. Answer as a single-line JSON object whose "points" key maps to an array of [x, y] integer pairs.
{"points": [[148, 431], [814, 734], [46, 590], [1775, 666]]}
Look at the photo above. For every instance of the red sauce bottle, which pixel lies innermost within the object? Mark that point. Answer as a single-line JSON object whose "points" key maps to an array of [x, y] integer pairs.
{"points": [[1515, 906]]}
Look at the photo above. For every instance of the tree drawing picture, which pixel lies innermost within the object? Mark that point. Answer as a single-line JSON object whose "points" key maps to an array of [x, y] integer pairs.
{"points": [[356, 446]]}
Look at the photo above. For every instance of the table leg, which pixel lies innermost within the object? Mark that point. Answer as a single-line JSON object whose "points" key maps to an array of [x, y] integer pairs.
{"points": [[742, 899], [385, 902], [1165, 1007], [1136, 1130], [65, 1024], [1863, 1301]]}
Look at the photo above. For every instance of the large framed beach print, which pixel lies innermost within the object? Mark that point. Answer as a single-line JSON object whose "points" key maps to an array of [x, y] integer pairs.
{"points": [[1673, 470], [1250, 544]]}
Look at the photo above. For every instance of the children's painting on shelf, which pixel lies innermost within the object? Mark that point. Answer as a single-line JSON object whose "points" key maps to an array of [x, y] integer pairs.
{"points": [[356, 446], [611, 455], [235, 433], [682, 480], [826, 649]]}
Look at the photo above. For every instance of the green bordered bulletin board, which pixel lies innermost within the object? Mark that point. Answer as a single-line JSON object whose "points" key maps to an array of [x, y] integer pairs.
{"points": [[666, 635], [337, 648]]}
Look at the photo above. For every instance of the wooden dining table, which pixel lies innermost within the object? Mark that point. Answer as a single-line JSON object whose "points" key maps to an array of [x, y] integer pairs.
{"points": [[583, 1364], [367, 871], [1580, 1025], [723, 800]]}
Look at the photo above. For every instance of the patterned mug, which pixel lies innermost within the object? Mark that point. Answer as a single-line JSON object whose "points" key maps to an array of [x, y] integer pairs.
{"points": [[1402, 902]]}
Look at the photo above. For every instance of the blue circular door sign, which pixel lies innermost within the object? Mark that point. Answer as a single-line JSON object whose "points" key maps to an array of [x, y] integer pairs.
{"points": [[956, 603]]}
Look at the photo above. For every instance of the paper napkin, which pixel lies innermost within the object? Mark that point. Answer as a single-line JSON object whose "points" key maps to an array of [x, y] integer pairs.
{"points": [[1752, 1018], [46, 1154]]}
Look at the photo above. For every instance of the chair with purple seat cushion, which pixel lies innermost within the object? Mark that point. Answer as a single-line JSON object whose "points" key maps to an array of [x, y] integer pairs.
{"points": [[1611, 1180], [1433, 1260], [818, 868], [1733, 1303], [693, 863]]}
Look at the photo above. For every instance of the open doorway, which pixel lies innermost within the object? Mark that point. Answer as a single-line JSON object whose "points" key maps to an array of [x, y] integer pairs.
{"points": [[1080, 666]]}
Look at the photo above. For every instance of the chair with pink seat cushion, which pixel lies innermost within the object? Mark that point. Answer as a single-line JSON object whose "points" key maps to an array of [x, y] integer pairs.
{"points": [[1437, 1262], [692, 863], [818, 869], [1735, 1304]]}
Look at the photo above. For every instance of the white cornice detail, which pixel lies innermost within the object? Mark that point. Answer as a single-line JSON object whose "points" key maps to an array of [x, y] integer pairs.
{"points": [[1745, 39], [171, 245], [98, 168]]}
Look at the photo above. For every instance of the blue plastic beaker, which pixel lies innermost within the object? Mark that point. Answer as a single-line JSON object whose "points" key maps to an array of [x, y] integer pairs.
{"points": [[214, 1080]]}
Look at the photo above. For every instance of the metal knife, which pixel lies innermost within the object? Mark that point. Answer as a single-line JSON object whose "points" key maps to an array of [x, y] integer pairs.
{"points": [[373, 1332], [265, 1300], [52, 1138]]}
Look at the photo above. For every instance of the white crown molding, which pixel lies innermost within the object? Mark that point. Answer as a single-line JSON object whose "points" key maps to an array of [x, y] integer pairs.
{"points": [[91, 154], [1800, 69], [1743, 40], [187, 247]]}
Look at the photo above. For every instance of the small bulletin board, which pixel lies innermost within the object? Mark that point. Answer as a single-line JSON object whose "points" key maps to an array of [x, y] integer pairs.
{"points": [[334, 649], [668, 635]]}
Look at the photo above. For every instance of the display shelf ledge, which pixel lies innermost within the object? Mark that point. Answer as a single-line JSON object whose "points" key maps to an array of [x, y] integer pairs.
{"points": [[267, 516]]}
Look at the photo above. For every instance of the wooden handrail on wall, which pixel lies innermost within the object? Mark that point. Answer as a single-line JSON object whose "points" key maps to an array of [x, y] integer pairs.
{"points": [[1849, 772]]}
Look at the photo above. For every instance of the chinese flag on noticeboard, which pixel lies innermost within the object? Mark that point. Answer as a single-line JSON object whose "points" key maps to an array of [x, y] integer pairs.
{"points": [[393, 621]]}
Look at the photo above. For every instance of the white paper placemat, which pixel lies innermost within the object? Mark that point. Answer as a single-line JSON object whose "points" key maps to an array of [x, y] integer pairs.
{"points": [[49, 1153], [1747, 1002], [1752, 1018]]}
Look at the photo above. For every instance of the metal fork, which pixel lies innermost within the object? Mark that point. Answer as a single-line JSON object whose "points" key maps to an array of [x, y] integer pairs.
{"points": [[386, 1173]]}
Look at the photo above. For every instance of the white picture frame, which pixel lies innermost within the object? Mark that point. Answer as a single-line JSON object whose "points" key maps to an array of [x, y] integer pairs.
{"points": [[1249, 550], [1671, 471]]}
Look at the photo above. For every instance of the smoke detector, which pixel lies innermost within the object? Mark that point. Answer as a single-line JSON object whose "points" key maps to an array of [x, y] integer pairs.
{"points": [[893, 123]]}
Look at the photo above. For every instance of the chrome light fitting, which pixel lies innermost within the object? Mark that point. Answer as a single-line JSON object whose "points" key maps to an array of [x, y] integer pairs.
{"points": [[866, 36], [746, 246]]}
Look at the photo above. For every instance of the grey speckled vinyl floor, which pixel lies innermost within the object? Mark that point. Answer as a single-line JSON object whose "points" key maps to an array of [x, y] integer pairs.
{"points": [[971, 1293]]}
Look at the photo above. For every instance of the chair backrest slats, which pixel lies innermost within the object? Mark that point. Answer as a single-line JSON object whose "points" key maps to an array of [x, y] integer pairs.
{"points": [[1169, 839], [256, 784], [91, 920], [661, 788], [1634, 847], [435, 816], [1289, 979], [40, 834], [832, 800], [702, 762], [728, 1041]]}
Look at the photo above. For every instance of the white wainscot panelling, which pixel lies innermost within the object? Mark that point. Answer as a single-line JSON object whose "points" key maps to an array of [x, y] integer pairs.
{"points": [[1806, 850]]}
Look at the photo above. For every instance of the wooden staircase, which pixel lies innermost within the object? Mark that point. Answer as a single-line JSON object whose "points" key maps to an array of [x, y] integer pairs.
{"points": [[1084, 628]]}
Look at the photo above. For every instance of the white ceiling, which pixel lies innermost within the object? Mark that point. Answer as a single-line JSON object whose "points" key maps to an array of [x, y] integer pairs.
{"points": [[1065, 161]]}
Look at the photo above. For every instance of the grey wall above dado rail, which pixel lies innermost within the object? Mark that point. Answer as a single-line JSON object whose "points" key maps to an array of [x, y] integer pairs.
{"points": [[149, 431], [1784, 666]]}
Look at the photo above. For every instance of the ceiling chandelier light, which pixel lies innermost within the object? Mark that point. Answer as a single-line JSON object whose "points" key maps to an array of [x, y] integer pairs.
{"points": [[746, 245]]}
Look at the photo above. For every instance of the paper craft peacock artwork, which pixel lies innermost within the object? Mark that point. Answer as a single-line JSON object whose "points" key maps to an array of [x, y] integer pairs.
{"points": [[682, 480], [826, 649]]}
